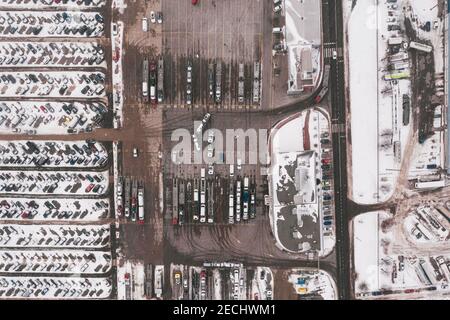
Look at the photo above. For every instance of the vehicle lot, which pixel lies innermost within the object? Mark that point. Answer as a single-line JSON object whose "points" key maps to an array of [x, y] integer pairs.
{"points": [[222, 33], [54, 84], [54, 210], [54, 236], [55, 288], [61, 182], [51, 117], [52, 3], [54, 154], [50, 261], [26, 24], [52, 54]]}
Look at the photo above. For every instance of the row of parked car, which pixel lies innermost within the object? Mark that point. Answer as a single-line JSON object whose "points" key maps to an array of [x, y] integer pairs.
{"points": [[57, 182], [26, 54], [58, 236], [40, 23], [52, 117], [61, 287], [55, 261], [52, 83], [44, 3], [327, 174], [52, 154]]}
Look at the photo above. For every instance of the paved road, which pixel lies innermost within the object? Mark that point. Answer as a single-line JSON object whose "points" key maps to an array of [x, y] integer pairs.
{"points": [[333, 37]]}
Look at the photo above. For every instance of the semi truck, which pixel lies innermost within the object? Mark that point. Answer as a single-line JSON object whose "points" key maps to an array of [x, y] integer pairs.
{"points": [[153, 81], [238, 201], [141, 205], [256, 78], [245, 200], [241, 83], [127, 196], [175, 202], [325, 83], [181, 199], [210, 202], [145, 80], [211, 80], [202, 196], [231, 205], [196, 206], [219, 82], [160, 82]]}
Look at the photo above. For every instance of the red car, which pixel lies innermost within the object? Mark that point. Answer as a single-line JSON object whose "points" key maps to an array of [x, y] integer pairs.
{"points": [[326, 161], [89, 187], [194, 2]]}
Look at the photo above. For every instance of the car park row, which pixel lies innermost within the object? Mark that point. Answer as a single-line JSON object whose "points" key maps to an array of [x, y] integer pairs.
{"points": [[28, 24], [54, 210], [35, 4], [58, 84], [55, 288], [53, 182], [58, 154], [50, 117], [51, 54], [54, 236], [50, 261]]}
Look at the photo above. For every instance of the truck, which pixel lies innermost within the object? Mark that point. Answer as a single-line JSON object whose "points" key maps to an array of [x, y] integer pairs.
{"points": [[153, 81], [181, 198], [256, 78], [211, 80], [245, 200], [420, 46], [160, 82], [238, 201], [202, 196], [231, 205], [145, 80], [141, 205], [196, 206], [406, 109], [210, 202], [218, 82], [241, 83], [175, 202], [127, 196]]}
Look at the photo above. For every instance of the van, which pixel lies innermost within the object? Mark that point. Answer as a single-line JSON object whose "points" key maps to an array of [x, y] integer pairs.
{"points": [[277, 30], [144, 24]]}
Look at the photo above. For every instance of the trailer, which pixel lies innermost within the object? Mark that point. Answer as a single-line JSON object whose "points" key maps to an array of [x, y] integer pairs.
{"points": [[160, 82], [210, 202], [175, 202], [196, 204], [211, 80], [134, 200], [141, 205], [420, 46], [127, 196], [245, 200], [256, 82], [219, 82], [406, 109], [326, 76], [241, 83], [145, 75], [181, 198]]}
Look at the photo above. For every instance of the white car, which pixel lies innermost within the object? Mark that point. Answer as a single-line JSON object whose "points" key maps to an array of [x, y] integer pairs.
{"points": [[210, 151], [144, 24], [210, 169], [334, 55], [277, 8], [152, 17], [135, 152], [239, 163], [210, 136]]}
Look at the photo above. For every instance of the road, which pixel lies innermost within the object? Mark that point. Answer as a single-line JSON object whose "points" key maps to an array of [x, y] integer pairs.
{"points": [[333, 37]]}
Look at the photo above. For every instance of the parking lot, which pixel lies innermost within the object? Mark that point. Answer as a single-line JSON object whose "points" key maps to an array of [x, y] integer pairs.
{"points": [[207, 34]]}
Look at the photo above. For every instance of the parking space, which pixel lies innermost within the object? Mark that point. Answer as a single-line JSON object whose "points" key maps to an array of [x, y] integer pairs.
{"points": [[222, 41], [85, 210], [43, 4], [54, 236], [27, 24], [53, 182], [55, 288], [32, 117], [52, 84], [53, 154], [51, 261], [52, 54]]}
